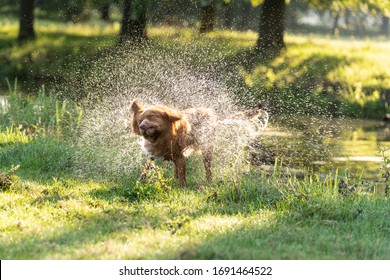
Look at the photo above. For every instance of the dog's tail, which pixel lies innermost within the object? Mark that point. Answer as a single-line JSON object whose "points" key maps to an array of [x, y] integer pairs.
{"points": [[257, 118]]}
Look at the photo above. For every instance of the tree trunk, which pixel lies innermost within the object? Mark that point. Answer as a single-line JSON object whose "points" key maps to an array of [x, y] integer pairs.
{"points": [[208, 19], [335, 28], [26, 20], [245, 15], [229, 15], [385, 26], [133, 29], [347, 18], [271, 30], [105, 12]]}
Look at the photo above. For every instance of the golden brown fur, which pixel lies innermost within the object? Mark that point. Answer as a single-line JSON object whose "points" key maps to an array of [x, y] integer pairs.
{"points": [[172, 135]]}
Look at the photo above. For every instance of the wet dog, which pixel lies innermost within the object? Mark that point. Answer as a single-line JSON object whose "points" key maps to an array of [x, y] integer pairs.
{"points": [[173, 135]]}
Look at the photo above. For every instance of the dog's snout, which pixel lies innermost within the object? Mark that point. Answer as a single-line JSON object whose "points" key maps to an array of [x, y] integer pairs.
{"points": [[142, 126]]}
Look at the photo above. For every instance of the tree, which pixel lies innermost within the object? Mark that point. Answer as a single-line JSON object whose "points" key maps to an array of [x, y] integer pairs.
{"points": [[103, 6], [208, 12], [271, 28], [346, 6], [133, 28], [293, 12], [228, 14], [26, 20], [385, 26], [238, 13], [69, 10], [105, 12], [245, 10]]}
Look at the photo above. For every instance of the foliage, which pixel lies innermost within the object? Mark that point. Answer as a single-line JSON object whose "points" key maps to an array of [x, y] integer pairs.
{"points": [[371, 5], [7, 179], [205, 3], [138, 8], [385, 165], [64, 43], [155, 183], [39, 114], [70, 10], [327, 74]]}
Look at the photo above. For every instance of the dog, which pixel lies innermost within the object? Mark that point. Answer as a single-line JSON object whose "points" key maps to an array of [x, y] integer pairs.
{"points": [[173, 135]]}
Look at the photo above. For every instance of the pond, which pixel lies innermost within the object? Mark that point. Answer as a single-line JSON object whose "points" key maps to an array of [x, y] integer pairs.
{"points": [[324, 144], [2, 102]]}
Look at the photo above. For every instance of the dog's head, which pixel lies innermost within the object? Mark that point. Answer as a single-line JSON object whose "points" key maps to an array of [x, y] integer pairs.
{"points": [[154, 121]]}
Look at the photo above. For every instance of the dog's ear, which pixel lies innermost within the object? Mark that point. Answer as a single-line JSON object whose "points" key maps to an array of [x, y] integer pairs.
{"points": [[173, 116], [136, 107]]}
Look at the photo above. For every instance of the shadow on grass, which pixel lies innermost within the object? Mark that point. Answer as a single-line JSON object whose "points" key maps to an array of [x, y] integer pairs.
{"points": [[40, 159], [52, 58], [296, 82], [75, 234], [312, 231], [290, 238], [227, 221]]}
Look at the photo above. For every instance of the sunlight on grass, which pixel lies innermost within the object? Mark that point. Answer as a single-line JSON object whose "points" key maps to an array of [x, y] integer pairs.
{"points": [[51, 209], [12, 135], [172, 243], [81, 29]]}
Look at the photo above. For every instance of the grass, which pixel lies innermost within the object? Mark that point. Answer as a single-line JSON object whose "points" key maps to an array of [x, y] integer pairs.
{"points": [[49, 212], [314, 75], [39, 114]]}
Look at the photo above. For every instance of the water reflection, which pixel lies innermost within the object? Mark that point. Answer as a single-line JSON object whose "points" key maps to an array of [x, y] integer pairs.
{"points": [[2, 103], [324, 144]]}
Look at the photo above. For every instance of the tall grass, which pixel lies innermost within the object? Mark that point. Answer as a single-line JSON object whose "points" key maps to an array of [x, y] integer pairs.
{"points": [[39, 114]]}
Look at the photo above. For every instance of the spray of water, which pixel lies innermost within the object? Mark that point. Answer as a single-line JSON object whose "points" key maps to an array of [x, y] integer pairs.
{"points": [[105, 143]]}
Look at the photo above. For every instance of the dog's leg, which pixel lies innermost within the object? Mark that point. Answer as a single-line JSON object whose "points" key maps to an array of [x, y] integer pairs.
{"points": [[207, 158], [180, 170]]}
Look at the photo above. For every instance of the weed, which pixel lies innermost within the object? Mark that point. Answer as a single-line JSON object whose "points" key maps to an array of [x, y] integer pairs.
{"points": [[385, 167], [153, 183], [43, 114], [8, 178]]}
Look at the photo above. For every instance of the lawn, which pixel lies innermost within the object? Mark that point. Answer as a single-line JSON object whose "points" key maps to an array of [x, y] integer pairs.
{"points": [[59, 200]]}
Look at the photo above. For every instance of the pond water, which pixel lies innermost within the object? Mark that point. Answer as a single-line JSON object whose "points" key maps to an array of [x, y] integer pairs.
{"points": [[2, 102], [325, 144]]}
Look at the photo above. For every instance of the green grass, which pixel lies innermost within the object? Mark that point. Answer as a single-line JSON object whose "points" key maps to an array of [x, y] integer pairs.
{"points": [[49, 212], [39, 114], [314, 75]]}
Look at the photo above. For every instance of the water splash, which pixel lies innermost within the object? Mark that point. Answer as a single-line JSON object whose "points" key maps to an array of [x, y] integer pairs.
{"points": [[154, 76]]}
